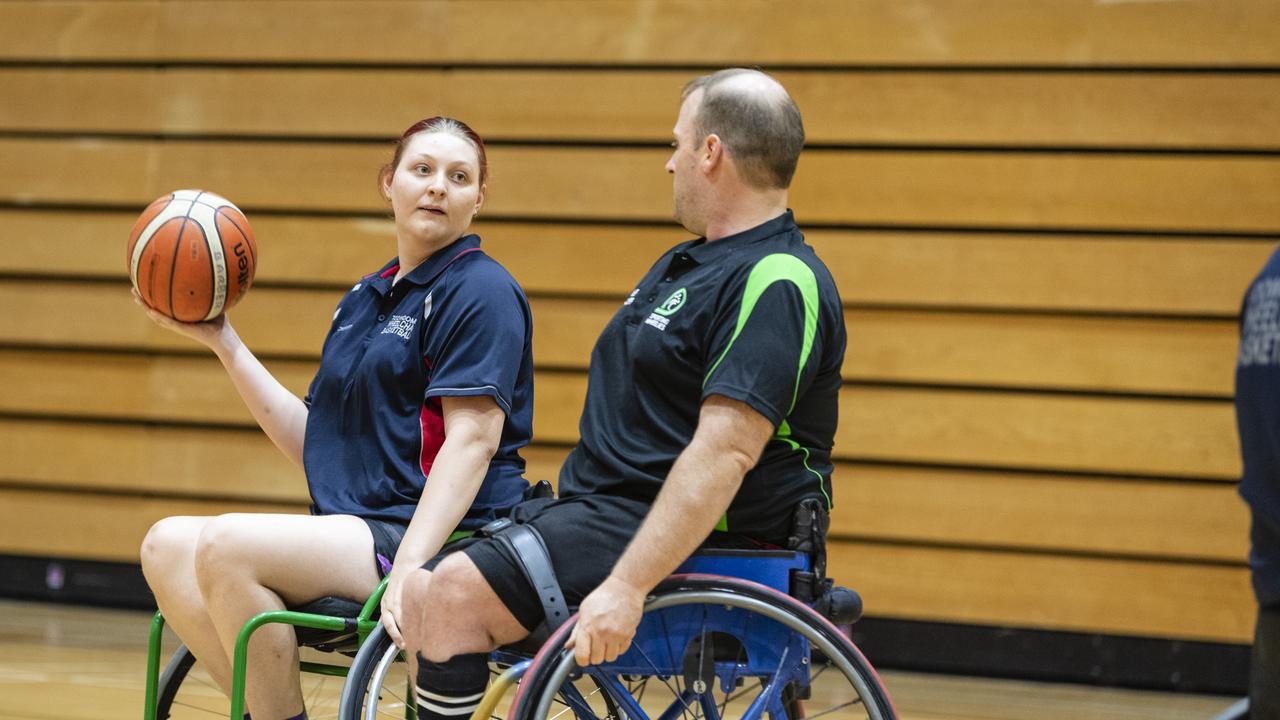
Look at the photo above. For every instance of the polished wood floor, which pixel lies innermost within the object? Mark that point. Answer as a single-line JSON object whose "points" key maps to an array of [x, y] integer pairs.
{"points": [[72, 662]]}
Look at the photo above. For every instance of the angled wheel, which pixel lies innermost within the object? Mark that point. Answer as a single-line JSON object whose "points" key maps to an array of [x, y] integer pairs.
{"points": [[377, 686], [715, 648], [186, 691]]}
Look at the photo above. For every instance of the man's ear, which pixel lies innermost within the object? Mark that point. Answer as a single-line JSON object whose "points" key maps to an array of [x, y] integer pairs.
{"points": [[712, 152]]}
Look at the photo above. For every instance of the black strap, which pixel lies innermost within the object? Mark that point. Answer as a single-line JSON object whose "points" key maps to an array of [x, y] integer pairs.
{"points": [[526, 544]]}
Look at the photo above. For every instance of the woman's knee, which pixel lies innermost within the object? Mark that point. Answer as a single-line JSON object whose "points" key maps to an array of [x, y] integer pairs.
{"points": [[220, 551], [169, 546]]}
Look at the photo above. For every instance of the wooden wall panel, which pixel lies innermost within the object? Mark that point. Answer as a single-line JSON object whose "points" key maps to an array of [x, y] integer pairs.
{"points": [[1168, 110], [1108, 516], [1085, 274], [160, 461], [1050, 591], [983, 189], [99, 527], [1187, 357], [1171, 438], [825, 32]]}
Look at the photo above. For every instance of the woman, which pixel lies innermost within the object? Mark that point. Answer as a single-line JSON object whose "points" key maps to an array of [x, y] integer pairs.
{"points": [[409, 433]]}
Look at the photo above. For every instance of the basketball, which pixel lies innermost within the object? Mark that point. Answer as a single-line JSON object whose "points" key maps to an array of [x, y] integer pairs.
{"points": [[191, 255]]}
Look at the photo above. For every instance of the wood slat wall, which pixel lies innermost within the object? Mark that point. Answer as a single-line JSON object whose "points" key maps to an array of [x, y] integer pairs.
{"points": [[1042, 220]]}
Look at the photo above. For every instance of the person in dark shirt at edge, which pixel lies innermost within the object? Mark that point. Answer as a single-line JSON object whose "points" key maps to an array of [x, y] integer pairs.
{"points": [[1257, 401]]}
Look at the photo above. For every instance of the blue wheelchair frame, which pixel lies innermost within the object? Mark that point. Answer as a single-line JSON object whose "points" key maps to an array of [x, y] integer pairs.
{"points": [[672, 640]]}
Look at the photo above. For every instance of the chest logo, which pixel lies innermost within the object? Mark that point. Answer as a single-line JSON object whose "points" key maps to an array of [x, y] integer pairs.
{"points": [[661, 315], [401, 326], [673, 303]]}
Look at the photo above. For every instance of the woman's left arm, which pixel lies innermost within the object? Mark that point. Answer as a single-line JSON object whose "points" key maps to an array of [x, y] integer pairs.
{"points": [[472, 432]]}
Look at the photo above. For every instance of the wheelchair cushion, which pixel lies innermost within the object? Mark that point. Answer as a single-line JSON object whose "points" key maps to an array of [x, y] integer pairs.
{"points": [[343, 641]]}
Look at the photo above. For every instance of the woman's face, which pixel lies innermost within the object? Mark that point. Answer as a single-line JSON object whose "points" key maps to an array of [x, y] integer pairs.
{"points": [[435, 190]]}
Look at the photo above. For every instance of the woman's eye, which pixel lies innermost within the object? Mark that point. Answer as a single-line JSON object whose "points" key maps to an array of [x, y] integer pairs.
{"points": [[460, 177], [423, 169]]}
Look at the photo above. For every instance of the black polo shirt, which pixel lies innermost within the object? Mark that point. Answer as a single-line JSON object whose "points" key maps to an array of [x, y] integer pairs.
{"points": [[457, 325], [755, 317]]}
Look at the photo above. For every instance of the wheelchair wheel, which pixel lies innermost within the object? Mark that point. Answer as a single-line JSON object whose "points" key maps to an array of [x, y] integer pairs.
{"points": [[376, 686], [185, 691], [714, 648]]}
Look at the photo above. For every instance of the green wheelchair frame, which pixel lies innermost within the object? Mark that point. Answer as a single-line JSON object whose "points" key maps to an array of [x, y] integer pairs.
{"points": [[362, 625]]}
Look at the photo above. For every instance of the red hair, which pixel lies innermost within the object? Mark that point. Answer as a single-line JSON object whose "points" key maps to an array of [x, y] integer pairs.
{"points": [[441, 124]]}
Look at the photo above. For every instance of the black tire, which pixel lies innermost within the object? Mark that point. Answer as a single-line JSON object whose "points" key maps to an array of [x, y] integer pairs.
{"points": [[852, 691], [366, 693], [171, 679], [185, 691]]}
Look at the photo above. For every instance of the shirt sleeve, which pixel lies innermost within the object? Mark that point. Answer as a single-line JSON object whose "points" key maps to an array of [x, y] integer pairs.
{"points": [[763, 346], [477, 341]]}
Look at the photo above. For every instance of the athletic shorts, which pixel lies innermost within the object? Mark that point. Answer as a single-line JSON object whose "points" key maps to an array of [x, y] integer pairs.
{"points": [[585, 535], [387, 535]]}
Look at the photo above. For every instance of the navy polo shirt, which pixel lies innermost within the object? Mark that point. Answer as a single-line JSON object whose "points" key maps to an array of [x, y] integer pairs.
{"points": [[457, 325], [1258, 420], [754, 317]]}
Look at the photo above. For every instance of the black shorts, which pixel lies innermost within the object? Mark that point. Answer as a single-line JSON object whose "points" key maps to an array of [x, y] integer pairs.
{"points": [[387, 535], [585, 535]]}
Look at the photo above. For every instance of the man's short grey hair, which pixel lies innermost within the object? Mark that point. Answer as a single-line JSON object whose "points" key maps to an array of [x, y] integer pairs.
{"points": [[761, 130]]}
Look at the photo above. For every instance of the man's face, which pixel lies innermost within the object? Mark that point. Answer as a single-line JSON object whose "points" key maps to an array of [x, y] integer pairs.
{"points": [[683, 166]]}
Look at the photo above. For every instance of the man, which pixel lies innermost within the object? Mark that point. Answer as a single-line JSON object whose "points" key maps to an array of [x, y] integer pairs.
{"points": [[711, 406], [1258, 419]]}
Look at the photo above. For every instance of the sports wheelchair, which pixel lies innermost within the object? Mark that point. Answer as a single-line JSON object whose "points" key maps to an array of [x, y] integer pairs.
{"points": [[733, 634]]}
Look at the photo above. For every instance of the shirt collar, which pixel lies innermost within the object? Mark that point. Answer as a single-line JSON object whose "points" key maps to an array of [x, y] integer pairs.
{"points": [[703, 251], [430, 268]]}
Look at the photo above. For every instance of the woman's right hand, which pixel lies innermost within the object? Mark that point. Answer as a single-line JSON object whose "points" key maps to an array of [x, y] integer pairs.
{"points": [[390, 617], [213, 334]]}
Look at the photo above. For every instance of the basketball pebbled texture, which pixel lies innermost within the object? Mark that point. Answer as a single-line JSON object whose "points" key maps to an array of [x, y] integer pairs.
{"points": [[191, 255]]}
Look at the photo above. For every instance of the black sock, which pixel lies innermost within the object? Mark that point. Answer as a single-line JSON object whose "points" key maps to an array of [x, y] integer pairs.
{"points": [[451, 690]]}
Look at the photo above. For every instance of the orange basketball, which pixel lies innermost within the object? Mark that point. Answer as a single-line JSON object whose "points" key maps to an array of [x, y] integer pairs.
{"points": [[191, 255]]}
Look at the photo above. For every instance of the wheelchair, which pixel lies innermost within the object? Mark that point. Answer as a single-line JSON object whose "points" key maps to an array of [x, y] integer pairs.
{"points": [[735, 633], [326, 627]]}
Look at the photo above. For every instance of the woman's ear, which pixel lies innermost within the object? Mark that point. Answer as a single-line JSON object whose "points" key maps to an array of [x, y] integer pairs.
{"points": [[484, 189], [384, 182]]}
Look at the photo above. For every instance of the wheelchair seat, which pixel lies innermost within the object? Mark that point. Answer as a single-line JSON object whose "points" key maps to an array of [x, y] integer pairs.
{"points": [[346, 640]]}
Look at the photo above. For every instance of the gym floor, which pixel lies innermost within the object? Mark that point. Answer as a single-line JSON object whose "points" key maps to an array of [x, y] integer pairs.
{"points": [[61, 661]]}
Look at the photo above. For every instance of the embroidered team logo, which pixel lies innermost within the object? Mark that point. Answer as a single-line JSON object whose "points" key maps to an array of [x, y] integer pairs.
{"points": [[400, 325], [673, 303], [661, 315]]}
